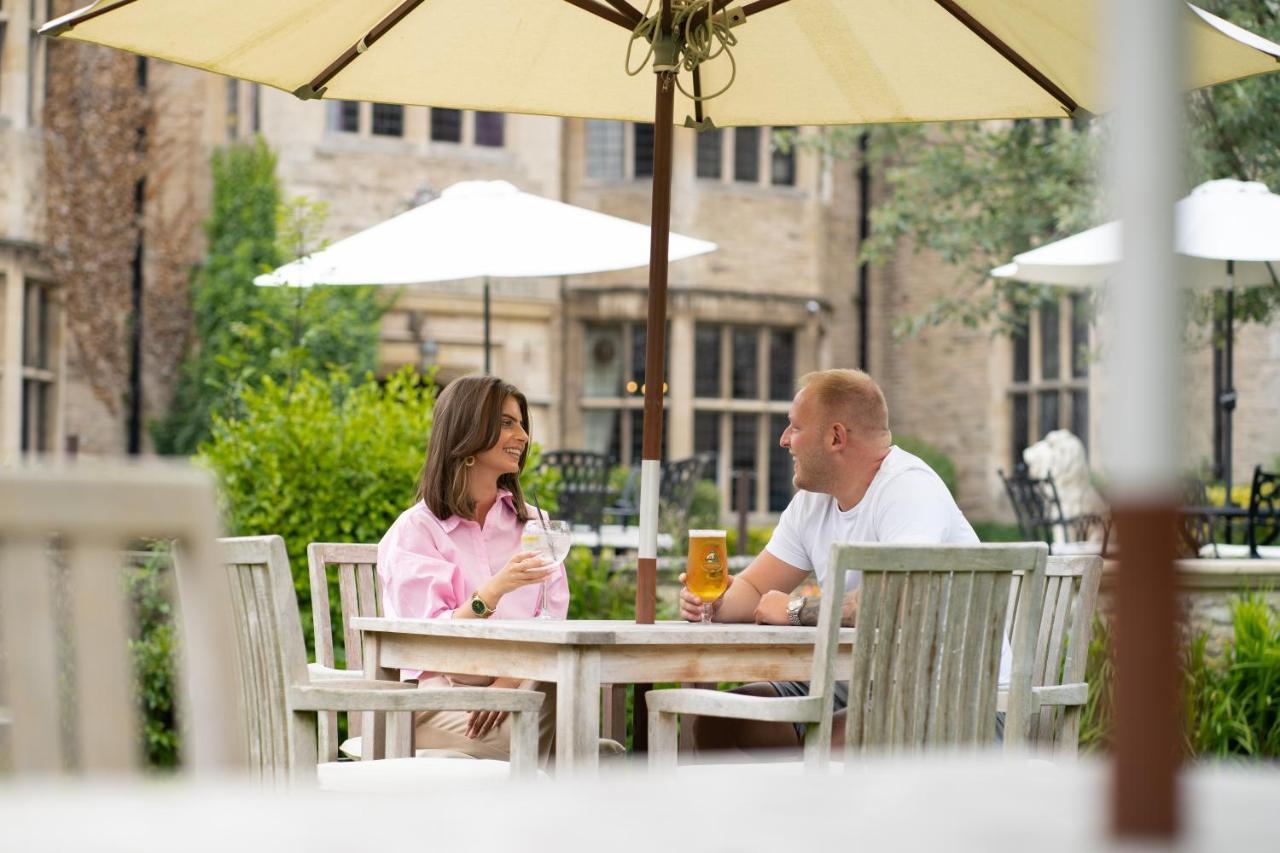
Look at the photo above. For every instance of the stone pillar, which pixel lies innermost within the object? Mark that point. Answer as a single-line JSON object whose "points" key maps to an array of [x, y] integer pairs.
{"points": [[679, 410]]}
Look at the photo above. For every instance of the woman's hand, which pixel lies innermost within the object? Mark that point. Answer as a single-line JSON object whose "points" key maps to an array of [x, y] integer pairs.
{"points": [[480, 723], [524, 568]]}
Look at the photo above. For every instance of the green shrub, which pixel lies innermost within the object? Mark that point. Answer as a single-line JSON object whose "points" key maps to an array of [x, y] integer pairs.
{"points": [[997, 531], [933, 457], [153, 648], [326, 462], [757, 538], [595, 592], [1095, 721], [1232, 702]]}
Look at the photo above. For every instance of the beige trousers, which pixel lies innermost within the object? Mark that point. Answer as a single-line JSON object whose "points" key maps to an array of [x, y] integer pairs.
{"points": [[448, 729]]}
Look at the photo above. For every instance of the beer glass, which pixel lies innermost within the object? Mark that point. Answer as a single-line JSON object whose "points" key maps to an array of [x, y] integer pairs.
{"points": [[707, 572]]}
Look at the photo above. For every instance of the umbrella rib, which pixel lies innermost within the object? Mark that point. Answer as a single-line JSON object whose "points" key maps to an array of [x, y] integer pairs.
{"points": [[93, 12], [759, 6], [631, 13], [315, 88], [1014, 58], [613, 15]]}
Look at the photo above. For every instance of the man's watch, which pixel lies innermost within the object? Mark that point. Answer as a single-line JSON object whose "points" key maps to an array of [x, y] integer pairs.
{"points": [[793, 610], [480, 608]]}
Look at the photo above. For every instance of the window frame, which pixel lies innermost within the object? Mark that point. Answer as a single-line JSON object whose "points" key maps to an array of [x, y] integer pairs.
{"points": [[1072, 380]]}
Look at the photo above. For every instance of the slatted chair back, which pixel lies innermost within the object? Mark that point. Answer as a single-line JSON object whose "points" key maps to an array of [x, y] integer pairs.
{"points": [[359, 594], [1061, 650], [65, 621], [282, 744], [926, 662], [1264, 510]]}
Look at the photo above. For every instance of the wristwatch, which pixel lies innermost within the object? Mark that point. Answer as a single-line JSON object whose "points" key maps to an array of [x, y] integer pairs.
{"points": [[793, 610], [479, 607]]}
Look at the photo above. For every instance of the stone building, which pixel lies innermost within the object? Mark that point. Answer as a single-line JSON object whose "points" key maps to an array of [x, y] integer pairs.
{"points": [[783, 295]]}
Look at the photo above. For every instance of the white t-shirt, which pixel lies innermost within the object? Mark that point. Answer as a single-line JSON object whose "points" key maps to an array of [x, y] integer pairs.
{"points": [[906, 503]]}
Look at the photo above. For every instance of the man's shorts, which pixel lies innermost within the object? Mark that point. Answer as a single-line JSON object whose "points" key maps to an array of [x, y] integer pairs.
{"points": [[840, 701]]}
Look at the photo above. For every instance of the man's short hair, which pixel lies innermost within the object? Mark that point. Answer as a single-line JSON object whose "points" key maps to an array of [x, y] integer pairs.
{"points": [[851, 397]]}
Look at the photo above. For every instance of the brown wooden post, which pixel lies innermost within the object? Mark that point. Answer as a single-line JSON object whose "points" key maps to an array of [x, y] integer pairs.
{"points": [[1148, 719]]}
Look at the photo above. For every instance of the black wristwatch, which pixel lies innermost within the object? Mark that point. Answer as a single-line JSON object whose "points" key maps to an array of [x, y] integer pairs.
{"points": [[479, 607], [793, 610]]}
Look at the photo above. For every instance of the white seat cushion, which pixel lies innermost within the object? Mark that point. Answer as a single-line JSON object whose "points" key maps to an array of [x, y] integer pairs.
{"points": [[406, 775], [1075, 549], [1223, 551], [351, 749]]}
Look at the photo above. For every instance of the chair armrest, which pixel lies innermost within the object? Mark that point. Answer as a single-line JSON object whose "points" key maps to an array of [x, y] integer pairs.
{"points": [[716, 703], [363, 696], [1063, 695]]}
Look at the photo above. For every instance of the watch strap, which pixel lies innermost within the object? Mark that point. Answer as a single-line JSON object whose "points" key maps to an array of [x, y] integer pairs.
{"points": [[793, 611]]}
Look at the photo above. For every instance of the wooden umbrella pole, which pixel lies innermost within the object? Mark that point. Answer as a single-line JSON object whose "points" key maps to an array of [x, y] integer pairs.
{"points": [[655, 347], [655, 340]]}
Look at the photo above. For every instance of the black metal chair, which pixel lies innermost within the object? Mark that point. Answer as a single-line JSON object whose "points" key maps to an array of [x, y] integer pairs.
{"points": [[678, 481], [584, 486], [1264, 510], [1038, 511]]}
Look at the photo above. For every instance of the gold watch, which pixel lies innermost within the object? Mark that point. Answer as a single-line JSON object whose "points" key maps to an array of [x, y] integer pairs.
{"points": [[480, 607]]}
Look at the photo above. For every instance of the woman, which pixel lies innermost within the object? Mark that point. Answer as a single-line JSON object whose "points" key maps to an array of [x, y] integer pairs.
{"points": [[455, 554]]}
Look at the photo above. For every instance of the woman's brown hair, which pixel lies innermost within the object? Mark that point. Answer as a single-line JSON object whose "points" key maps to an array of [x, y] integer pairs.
{"points": [[468, 420]]}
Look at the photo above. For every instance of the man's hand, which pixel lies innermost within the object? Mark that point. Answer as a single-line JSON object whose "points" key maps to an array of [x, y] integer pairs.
{"points": [[772, 609], [691, 605]]}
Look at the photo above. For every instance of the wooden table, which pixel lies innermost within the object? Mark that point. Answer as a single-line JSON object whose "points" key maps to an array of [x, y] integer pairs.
{"points": [[580, 655]]}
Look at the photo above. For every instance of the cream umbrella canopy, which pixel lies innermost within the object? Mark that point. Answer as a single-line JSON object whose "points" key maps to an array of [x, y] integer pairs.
{"points": [[482, 229], [775, 62], [1227, 235]]}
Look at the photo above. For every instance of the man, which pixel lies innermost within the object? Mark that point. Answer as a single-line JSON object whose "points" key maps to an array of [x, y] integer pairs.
{"points": [[853, 486]]}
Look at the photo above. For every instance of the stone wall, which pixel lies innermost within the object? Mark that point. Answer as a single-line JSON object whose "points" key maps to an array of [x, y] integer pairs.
{"points": [[1208, 588]]}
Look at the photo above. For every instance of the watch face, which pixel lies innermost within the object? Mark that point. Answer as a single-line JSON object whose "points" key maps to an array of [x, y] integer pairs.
{"points": [[477, 606]]}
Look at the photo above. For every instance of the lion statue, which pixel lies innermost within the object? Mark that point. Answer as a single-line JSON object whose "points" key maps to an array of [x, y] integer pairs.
{"points": [[1061, 454]]}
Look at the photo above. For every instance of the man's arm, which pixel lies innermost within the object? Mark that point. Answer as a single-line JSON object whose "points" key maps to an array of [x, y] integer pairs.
{"points": [[848, 613], [765, 574]]}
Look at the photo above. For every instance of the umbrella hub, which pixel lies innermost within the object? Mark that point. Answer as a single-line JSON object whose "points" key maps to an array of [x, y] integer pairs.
{"points": [[700, 31]]}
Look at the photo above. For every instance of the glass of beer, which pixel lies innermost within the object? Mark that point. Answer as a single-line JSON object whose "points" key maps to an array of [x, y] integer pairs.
{"points": [[707, 572]]}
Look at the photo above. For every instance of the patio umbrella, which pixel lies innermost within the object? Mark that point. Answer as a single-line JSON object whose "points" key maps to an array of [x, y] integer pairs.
{"points": [[767, 62], [1227, 235], [482, 229]]}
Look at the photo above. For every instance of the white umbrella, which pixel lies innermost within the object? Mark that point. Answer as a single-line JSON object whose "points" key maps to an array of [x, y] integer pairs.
{"points": [[1236, 222], [482, 229]]}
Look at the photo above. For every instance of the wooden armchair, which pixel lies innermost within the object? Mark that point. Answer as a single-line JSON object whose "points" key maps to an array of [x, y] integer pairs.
{"points": [[1061, 652], [283, 701], [925, 663], [65, 621]]}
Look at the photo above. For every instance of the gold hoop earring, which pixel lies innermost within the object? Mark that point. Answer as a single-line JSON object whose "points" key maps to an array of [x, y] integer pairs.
{"points": [[469, 461]]}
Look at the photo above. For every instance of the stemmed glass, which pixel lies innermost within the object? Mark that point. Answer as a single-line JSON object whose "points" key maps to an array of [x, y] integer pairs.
{"points": [[551, 539]]}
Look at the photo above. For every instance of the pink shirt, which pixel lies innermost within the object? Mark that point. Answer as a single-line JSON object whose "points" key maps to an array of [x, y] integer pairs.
{"points": [[429, 567]]}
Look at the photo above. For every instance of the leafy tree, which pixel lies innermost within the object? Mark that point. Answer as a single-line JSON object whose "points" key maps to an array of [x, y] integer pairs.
{"points": [[978, 193], [246, 333]]}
